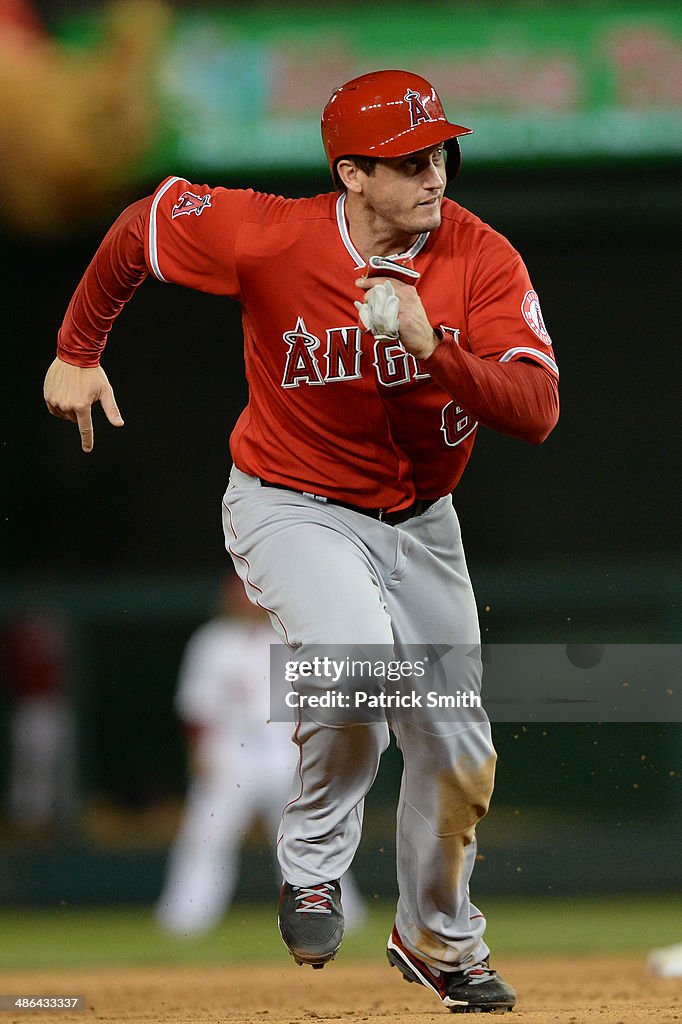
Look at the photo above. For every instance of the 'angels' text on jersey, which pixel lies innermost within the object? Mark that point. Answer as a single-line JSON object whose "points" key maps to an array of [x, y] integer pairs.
{"points": [[340, 358]]}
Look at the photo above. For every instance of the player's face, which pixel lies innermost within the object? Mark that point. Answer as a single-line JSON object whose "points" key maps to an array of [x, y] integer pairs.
{"points": [[404, 194]]}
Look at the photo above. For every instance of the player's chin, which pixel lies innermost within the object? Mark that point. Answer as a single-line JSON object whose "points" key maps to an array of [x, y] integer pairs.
{"points": [[428, 215]]}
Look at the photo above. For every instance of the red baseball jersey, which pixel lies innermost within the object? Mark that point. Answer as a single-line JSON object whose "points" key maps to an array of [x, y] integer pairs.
{"points": [[331, 410]]}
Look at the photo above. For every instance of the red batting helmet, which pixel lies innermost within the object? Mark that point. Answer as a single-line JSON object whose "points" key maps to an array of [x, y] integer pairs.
{"points": [[387, 114]]}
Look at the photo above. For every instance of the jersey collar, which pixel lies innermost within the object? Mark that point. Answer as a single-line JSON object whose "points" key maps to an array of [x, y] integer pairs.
{"points": [[346, 239]]}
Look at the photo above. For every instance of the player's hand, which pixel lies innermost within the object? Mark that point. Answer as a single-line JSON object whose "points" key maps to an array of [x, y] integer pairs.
{"points": [[379, 312], [415, 331], [71, 391]]}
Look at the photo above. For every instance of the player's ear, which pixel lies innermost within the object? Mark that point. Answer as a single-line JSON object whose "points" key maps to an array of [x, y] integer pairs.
{"points": [[348, 173]]}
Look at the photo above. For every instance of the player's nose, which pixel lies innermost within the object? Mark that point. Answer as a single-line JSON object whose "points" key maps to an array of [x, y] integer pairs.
{"points": [[434, 176]]}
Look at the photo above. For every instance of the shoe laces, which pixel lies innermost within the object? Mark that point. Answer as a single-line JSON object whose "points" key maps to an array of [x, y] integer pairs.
{"points": [[479, 973], [313, 899]]}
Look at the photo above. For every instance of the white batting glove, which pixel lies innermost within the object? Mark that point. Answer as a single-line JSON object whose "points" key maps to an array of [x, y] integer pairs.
{"points": [[379, 312]]}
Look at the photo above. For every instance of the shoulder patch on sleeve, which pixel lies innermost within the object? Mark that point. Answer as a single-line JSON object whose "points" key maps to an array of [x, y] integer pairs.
{"points": [[532, 314], [190, 202]]}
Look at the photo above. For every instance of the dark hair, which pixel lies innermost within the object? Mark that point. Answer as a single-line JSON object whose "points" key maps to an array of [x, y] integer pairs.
{"points": [[365, 163]]}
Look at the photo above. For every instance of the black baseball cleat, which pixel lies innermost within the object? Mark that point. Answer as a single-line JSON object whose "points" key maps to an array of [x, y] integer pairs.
{"points": [[311, 921], [476, 989]]}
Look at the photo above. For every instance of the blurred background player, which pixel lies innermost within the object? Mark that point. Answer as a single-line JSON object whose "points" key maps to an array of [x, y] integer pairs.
{"points": [[41, 791], [241, 765], [665, 962]]}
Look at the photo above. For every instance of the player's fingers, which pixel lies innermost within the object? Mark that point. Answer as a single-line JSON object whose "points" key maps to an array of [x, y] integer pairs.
{"points": [[84, 420], [111, 409], [392, 282], [54, 410], [62, 414], [369, 282]]}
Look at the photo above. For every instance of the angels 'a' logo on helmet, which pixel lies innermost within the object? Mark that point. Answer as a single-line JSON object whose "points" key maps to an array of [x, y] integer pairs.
{"points": [[418, 112]]}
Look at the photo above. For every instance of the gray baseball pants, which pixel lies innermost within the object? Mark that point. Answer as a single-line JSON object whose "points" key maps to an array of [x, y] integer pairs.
{"points": [[328, 575]]}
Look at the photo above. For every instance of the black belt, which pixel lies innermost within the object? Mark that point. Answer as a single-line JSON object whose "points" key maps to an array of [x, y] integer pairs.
{"points": [[417, 508]]}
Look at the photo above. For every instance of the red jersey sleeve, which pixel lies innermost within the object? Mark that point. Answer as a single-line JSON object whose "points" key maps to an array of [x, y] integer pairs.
{"points": [[193, 232], [489, 371], [512, 398], [504, 319], [115, 272]]}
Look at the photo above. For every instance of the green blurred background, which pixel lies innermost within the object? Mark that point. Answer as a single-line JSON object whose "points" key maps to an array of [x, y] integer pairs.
{"points": [[578, 118]]}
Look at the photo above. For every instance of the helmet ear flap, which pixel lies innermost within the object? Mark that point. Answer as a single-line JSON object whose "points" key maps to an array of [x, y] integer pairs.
{"points": [[454, 158]]}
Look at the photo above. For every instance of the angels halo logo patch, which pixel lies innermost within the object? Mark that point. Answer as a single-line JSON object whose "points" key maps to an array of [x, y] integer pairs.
{"points": [[532, 314], [190, 202]]}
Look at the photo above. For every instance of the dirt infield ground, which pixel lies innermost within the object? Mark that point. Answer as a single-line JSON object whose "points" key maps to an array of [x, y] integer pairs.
{"points": [[613, 990]]}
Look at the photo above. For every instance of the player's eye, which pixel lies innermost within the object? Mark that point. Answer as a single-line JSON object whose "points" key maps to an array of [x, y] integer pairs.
{"points": [[416, 164]]}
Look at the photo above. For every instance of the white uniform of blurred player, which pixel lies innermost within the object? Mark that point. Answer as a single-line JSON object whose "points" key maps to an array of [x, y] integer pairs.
{"points": [[242, 765]]}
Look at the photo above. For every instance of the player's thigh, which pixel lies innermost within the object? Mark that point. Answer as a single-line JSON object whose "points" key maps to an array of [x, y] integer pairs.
{"points": [[303, 566], [434, 601]]}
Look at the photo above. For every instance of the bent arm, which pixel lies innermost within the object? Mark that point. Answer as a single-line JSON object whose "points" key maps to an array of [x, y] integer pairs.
{"points": [[517, 398], [75, 380]]}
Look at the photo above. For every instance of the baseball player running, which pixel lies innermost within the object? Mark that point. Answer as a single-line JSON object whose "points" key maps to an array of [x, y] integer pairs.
{"points": [[365, 393]]}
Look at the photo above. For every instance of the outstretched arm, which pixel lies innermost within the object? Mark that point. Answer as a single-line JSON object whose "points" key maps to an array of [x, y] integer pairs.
{"points": [[75, 380]]}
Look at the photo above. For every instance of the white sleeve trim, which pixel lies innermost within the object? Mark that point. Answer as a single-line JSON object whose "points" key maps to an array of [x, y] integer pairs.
{"points": [[534, 352], [153, 237]]}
